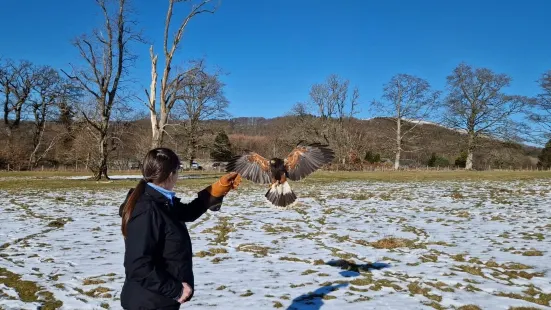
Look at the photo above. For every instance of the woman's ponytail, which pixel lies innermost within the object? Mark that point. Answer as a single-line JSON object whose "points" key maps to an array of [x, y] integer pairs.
{"points": [[130, 204]]}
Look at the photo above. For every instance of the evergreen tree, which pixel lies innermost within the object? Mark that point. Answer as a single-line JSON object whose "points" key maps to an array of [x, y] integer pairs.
{"points": [[432, 160], [545, 156], [461, 161], [221, 150], [369, 157], [372, 158]]}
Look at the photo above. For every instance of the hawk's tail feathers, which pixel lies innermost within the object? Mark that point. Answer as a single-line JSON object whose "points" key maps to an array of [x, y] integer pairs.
{"points": [[281, 195]]}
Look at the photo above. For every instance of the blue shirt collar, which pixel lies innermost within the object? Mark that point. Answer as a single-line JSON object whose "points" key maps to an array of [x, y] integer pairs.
{"points": [[168, 194]]}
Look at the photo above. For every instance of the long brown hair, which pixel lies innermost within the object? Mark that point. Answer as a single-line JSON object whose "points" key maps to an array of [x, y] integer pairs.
{"points": [[157, 166]]}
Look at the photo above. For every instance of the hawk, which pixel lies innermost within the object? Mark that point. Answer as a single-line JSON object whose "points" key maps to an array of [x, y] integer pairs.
{"points": [[302, 161]]}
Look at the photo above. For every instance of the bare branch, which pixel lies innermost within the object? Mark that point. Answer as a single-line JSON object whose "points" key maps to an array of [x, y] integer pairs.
{"points": [[477, 105]]}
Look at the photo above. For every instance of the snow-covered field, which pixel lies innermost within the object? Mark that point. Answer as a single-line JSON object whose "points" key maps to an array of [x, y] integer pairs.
{"points": [[353, 245]]}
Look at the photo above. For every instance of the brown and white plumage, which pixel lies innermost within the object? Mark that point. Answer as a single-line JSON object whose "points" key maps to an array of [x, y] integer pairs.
{"points": [[301, 162], [252, 167], [304, 160]]}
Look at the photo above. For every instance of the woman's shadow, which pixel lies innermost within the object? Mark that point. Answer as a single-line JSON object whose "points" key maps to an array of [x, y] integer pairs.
{"points": [[314, 300]]}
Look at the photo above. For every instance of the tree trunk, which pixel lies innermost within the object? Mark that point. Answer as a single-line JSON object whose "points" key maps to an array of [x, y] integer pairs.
{"points": [[398, 144], [156, 132], [192, 149], [157, 137], [469, 162], [102, 165], [470, 151], [157, 126]]}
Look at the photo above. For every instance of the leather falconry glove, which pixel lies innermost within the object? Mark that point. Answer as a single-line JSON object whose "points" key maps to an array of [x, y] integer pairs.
{"points": [[225, 184]]}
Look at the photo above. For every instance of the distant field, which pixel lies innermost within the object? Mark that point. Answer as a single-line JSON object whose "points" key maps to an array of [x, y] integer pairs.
{"points": [[62, 180], [50, 173], [474, 241]]}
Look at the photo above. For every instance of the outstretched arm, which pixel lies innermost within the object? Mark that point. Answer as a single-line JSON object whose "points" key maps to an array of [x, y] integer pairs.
{"points": [[209, 198]]}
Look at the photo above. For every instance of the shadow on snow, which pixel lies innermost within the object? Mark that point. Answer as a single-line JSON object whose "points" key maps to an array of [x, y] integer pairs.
{"points": [[314, 300]]}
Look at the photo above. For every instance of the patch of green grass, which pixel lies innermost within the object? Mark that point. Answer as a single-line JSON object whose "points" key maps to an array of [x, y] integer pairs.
{"points": [[259, 251], [533, 236], [211, 252], [543, 299], [476, 271], [247, 293], [456, 194], [277, 304], [393, 243], [418, 231], [341, 239], [458, 257], [57, 223], [276, 229], [98, 292], [362, 196], [415, 289], [428, 258], [362, 299], [92, 281], [441, 243], [294, 259], [532, 252], [221, 231], [471, 281], [14, 182], [435, 305], [379, 284], [29, 291], [472, 288], [217, 260], [513, 274], [307, 272], [469, 307], [441, 286], [357, 289]]}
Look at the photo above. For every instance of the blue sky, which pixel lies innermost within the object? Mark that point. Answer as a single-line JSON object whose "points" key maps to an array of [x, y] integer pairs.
{"points": [[275, 50]]}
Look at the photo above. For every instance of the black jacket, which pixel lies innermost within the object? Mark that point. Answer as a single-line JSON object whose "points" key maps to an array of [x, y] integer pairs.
{"points": [[158, 256]]}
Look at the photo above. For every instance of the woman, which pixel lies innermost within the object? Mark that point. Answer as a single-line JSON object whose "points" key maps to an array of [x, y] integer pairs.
{"points": [[158, 256]]}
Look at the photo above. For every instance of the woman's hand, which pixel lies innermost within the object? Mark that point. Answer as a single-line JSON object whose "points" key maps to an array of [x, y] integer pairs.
{"points": [[186, 293], [226, 183]]}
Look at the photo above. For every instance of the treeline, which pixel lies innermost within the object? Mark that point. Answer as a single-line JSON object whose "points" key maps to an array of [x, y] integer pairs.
{"points": [[89, 117]]}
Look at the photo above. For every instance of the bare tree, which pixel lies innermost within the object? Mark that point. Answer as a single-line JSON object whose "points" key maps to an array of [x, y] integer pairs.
{"points": [[541, 114], [16, 80], [330, 98], [477, 105], [47, 92], [202, 98], [406, 98], [170, 84], [330, 103], [107, 56]]}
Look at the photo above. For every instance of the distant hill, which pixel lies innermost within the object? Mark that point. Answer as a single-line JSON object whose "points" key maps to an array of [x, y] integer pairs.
{"points": [[277, 136], [378, 136]]}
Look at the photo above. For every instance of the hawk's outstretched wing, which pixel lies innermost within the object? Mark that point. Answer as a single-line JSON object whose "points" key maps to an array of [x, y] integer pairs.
{"points": [[252, 167], [305, 159]]}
